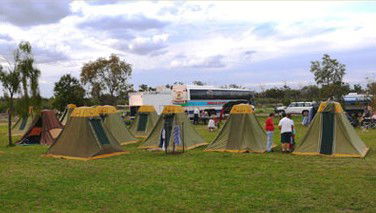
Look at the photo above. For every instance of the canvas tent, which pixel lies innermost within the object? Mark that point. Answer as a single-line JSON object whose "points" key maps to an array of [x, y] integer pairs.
{"points": [[113, 121], [144, 121], [23, 123], [64, 118], [173, 126], [85, 138], [331, 134], [241, 132], [44, 129]]}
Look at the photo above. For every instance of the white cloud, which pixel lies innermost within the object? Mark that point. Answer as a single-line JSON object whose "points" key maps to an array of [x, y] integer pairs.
{"points": [[147, 45], [29, 13], [216, 61]]}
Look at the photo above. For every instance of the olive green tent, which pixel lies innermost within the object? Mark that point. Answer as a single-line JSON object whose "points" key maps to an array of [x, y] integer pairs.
{"points": [[241, 132], [173, 129], [64, 118], [331, 134], [114, 123], [144, 121], [85, 138], [23, 123]]}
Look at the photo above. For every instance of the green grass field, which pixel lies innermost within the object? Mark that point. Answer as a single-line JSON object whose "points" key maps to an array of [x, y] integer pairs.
{"points": [[195, 181]]}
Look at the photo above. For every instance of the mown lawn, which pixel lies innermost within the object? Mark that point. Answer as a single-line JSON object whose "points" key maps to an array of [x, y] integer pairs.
{"points": [[195, 181]]}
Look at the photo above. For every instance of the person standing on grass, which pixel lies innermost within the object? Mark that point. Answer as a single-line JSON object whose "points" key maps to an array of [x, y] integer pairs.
{"points": [[305, 121], [269, 128], [196, 113], [211, 125], [286, 125]]}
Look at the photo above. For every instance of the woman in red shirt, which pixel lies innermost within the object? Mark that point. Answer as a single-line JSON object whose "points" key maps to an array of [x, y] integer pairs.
{"points": [[269, 128]]}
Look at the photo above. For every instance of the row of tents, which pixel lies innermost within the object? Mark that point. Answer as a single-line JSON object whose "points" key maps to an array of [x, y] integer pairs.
{"points": [[330, 133], [91, 133]]}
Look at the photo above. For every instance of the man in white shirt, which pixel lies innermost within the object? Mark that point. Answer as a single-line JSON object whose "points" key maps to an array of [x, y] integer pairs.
{"points": [[286, 125], [196, 113]]}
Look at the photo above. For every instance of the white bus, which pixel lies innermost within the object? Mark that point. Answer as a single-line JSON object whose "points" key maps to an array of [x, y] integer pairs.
{"points": [[207, 97]]}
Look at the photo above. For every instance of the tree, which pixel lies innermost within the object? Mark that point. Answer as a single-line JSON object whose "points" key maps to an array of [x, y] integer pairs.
{"points": [[274, 93], [328, 71], [24, 59], [68, 90], [11, 84], [145, 88], [357, 88], [329, 75], [107, 76], [336, 90], [371, 90], [233, 86], [310, 92], [199, 83]]}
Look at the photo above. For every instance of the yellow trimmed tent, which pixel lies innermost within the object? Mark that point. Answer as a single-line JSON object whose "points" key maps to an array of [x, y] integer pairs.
{"points": [[85, 138], [144, 121], [331, 134], [64, 118], [241, 132], [113, 121], [173, 127]]}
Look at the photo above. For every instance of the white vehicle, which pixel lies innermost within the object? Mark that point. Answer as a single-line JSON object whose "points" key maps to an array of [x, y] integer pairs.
{"points": [[299, 107], [208, 98], [279, 108]]}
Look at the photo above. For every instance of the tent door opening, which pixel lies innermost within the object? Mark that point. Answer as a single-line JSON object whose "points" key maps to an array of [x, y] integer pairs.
{"points": [[168, 123], [63, 115], [99, 131], [34, 135], [23, 123], [327, 133], [142, 121]]}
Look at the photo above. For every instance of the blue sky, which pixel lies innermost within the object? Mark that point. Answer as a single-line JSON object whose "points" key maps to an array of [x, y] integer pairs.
{"points": [[254, 44]]}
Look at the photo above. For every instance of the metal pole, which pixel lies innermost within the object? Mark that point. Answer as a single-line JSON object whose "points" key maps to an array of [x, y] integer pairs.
{"points": [[182, 133]]}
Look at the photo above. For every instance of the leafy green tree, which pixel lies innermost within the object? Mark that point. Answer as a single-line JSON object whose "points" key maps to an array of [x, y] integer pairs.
{"points": [[310, 93], [328, 70], [371, 91], [107, 76], [233, 86], [357, 88], [199, 83], [145, 88], [24, 59], [11, 84], [274, 93], [68, 90], [336, 90], [329, 75]]}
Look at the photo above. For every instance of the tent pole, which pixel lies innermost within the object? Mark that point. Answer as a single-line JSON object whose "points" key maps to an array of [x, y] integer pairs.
{"points": [[182, 132]]}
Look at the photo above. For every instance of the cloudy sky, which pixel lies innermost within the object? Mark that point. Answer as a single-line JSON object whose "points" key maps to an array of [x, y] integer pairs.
{"points": [[254, 44]]}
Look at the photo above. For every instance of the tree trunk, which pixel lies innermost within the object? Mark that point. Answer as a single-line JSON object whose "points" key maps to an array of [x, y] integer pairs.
{"points": [[26, 103], [24, 85], [10, 143]]}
